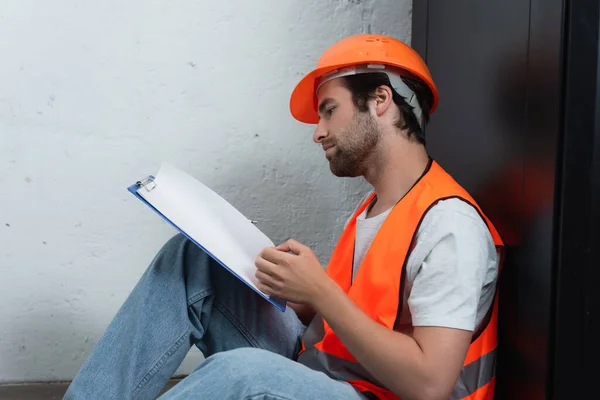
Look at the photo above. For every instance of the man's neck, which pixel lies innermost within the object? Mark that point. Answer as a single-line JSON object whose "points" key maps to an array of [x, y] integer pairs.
{"points": [[400, 164]]}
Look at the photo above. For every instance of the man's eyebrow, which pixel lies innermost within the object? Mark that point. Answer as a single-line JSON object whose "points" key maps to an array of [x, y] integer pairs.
{"points": [[324, 105]]}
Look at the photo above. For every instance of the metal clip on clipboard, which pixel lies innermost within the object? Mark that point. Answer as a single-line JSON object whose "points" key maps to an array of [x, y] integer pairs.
{"points": [[147, 183]]}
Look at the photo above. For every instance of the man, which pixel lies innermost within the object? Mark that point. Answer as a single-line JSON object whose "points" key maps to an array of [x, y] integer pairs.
{"points": [[405, 308]]}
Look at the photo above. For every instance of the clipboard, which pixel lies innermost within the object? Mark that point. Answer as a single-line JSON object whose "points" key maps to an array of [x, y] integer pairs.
{"points": [[143, 190]]}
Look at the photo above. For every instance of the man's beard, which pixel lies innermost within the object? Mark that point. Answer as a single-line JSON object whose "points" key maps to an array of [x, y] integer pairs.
{"points": [[355, 146]]}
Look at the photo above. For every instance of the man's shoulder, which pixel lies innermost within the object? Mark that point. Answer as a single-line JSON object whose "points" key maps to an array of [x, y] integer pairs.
{"points": [[453, 206], [453, 216], [453, 231]]}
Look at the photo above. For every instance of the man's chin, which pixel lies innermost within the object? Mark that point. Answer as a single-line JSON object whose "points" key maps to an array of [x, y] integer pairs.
{"points": [[342, 172]]}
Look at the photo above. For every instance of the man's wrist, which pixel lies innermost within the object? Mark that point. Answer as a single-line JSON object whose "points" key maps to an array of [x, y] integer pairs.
{"points": [[325, 294]]}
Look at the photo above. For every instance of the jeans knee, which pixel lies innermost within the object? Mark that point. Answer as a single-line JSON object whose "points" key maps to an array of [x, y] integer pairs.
{"points": [[172, 253], [181, 249], [175, 244], [250, 364]]}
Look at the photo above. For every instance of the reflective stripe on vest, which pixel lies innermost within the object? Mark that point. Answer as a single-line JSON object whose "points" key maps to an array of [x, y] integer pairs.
{"points": [[376, 290], [472, 377], [335, 367], [475, 375]]}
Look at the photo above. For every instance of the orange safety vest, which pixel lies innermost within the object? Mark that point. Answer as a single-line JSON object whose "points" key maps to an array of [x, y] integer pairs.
{"points": [[377, 290]]}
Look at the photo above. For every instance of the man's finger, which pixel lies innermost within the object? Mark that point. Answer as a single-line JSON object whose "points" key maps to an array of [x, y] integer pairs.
{"points": [[267, 279], [266, 289], [292, 246], [273, 255], [265, 266]]}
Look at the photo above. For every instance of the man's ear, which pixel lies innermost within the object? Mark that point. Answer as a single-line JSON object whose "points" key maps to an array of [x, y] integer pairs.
{"points": [[382, 99]]}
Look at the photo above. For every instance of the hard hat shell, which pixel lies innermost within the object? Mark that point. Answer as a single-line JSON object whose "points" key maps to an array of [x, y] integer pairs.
{"points": [[355, 50]]}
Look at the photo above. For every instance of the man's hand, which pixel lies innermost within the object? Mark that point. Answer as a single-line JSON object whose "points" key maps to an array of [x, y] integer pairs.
{"points": [[297, 277]]}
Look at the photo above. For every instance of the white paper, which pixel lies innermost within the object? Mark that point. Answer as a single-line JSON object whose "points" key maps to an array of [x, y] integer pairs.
{"points": [[208, 219]]}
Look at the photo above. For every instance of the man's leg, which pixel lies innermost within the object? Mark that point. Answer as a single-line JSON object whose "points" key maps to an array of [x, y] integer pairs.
{"points": [[256, 374], [183, 298]]}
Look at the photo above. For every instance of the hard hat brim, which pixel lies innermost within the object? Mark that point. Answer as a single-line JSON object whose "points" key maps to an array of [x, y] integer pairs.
{"points": [[303, 101]]}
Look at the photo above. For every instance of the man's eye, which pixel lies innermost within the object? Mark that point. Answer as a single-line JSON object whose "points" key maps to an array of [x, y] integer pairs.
{"points": [[330, 111]]}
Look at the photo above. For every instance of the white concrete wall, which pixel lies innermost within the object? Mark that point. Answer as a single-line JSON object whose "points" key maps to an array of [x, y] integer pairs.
{"points": [[94, 94]]}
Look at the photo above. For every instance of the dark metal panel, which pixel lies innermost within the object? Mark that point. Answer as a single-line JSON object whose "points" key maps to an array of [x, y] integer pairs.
{"points": [[478, 53], [535, 256], [592, 310], [575, 347], [497, 65], [520, 99], [474, 50], [419, 27]]}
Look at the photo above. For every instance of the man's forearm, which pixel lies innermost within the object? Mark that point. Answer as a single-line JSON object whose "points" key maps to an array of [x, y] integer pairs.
{"points": [[393, 358]]}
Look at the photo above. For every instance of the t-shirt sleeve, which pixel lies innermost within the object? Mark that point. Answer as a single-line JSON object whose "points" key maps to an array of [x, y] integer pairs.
{"points": [[454, 245]]}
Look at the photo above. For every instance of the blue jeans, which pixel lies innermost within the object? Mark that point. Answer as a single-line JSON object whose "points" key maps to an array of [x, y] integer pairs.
{"points": [[185, 298]]}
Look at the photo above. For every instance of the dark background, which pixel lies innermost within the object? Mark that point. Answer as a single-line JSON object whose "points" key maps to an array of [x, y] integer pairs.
{"points": [[519, 126]]}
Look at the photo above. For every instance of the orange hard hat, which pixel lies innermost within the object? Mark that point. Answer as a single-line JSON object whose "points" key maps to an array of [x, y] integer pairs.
{"points": [[358, 50]]}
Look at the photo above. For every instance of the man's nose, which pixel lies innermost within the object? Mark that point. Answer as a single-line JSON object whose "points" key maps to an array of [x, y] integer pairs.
{"points": [[320, 133]]}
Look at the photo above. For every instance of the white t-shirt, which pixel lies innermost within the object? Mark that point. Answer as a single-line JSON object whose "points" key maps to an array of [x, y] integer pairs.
{"points": [[451, 272]]}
